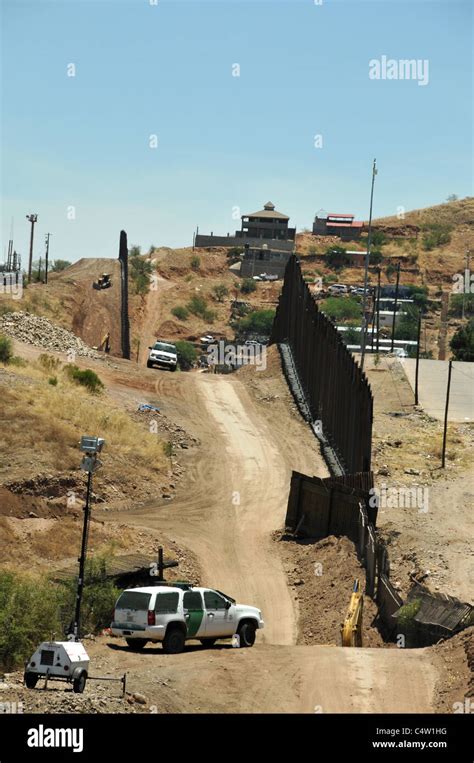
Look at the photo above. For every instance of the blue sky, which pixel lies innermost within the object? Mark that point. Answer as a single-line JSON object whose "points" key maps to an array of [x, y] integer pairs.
{"points": [[224, 142]]}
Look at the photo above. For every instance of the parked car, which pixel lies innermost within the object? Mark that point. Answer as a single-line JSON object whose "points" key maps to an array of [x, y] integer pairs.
{"points": [[338, 288], [400, 352], [175, 613], [206, 339], [163, 354]]}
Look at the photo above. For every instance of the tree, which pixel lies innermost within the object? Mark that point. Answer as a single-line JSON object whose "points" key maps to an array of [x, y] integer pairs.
{"points": [[456, 304], [140, 271], [220, 291], [257, 322], [406, 327], [419, 295], [336, 257], [58, 265], [462, 343], [6, 349], [187, 354], [247, 286], [341, 308]]}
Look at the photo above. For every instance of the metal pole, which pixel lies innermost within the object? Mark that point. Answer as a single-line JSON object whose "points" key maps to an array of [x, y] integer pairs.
{"points": [[46, 258], [417, 358], [466, 283], [82, 560], [443, 457], [39, 270], [395, 308], [378, 308], [366, 273], [32, 218]]}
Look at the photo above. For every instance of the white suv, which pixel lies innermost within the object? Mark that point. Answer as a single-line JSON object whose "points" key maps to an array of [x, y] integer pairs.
{"points": [[163, 354], [178, 612]]}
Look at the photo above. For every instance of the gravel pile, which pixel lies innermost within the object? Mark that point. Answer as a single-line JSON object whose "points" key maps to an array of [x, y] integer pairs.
{"points": [[41, 332]]}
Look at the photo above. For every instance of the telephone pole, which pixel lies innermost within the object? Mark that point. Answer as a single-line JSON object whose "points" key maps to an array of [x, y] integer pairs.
{"points": [[46, 257], [366, 274], [33, 218]]}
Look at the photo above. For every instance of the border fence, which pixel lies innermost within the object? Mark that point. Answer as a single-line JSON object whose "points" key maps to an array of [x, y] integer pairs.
{"points": [[337, 392], [318, 507]]}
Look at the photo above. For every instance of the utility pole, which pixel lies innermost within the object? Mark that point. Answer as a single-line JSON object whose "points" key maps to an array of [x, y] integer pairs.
{"points": [[443, 457], [46, 257], [466, 283], [417, 357], [366, 273], [33, 218], [378, 307], [395, 308], [39, 270]]}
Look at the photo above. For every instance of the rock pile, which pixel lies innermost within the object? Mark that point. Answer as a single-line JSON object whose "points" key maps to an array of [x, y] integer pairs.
{"points": [[41, 332]]}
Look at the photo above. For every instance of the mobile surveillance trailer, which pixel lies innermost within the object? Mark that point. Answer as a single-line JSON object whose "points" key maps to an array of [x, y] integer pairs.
{"points": [[68, 660], [58, 661]]}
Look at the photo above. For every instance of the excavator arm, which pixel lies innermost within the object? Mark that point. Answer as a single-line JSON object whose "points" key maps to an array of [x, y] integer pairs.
{"points": [[351, 630]]}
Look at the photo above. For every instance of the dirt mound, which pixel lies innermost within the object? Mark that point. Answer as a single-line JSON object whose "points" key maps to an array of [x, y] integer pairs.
{"points": [[321, 575], [455, 690], [171, 329]]}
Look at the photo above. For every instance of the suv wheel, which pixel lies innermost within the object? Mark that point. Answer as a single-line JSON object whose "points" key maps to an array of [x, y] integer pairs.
{"points": [[149, 364], [31, 679], [246, 633], [173, 642], [208, 642], [137, 644]]}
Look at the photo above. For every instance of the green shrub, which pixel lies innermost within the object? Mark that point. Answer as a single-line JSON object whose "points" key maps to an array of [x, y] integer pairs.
{"points": [[29, 614], [376, 256], [419, 295], [456, 304], [48, 362], [351, 336], [436, 234], [59, 265], [336, 257], [187, 354], [407, 326], [87, 378], [257, 322], [341, 308], [197, 305], [247, 286], [140, 271], [53, 380], [195, 262], [180, 312], [462, 343], [6, 349], [220, 291]]}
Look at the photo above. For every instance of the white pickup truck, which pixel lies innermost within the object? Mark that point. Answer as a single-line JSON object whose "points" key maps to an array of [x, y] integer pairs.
{"points": [[163, 354], [176, 613]]}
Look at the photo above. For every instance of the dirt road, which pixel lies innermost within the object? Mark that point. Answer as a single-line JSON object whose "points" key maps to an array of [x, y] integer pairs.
{"points": [[237, 495]]}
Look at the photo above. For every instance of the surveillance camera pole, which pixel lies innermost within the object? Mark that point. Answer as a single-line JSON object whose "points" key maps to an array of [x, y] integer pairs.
{"points": [[90, 463], [82, 560]]}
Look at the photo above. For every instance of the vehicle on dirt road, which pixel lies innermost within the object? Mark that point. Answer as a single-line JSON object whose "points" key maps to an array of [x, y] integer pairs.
{"points": [[175, 613], [163, 354]]}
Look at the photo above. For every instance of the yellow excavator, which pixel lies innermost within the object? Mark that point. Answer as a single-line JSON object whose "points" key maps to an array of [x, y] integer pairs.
{"points": [[104, 345], [351, 631]]}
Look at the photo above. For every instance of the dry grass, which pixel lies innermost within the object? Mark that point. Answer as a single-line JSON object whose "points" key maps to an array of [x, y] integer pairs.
{"points": [[47, 421]]}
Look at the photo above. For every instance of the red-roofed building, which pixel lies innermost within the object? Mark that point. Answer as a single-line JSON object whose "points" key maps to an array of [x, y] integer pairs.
{"points": [[340, 225]]}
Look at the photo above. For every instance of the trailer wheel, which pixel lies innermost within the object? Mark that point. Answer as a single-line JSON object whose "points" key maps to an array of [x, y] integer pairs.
{"points": [[31, 679], [79, 683]]}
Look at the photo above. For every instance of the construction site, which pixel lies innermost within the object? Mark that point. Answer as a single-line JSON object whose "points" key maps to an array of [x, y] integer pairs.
{"points": [[264, 483]]}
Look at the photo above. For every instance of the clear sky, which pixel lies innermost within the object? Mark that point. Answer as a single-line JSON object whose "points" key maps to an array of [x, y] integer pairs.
{"points": [[226, 144]]}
